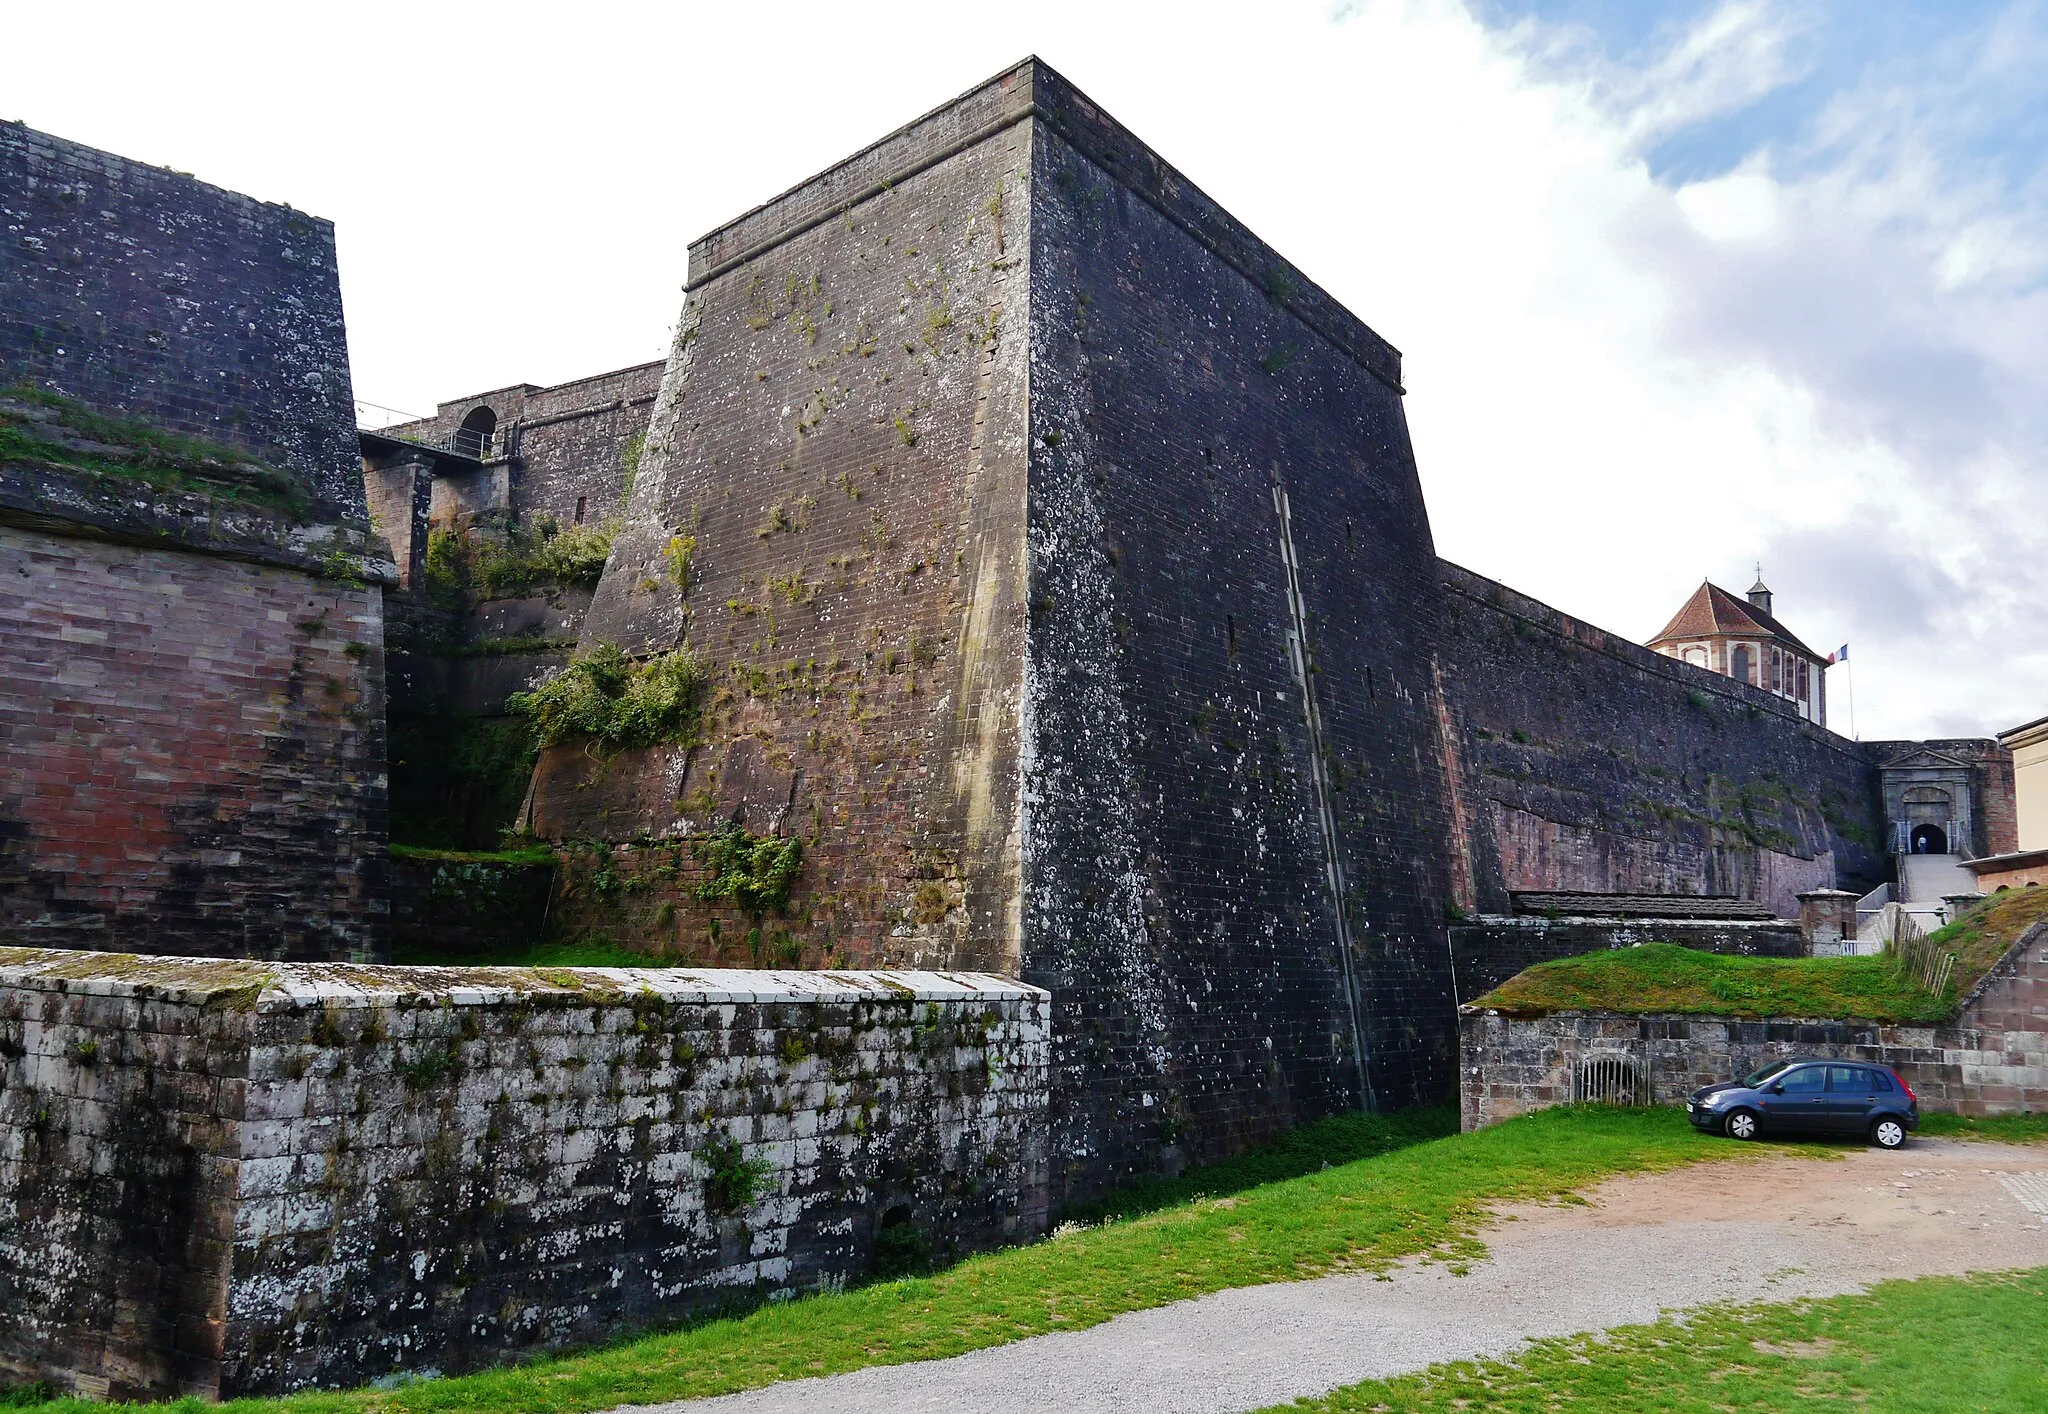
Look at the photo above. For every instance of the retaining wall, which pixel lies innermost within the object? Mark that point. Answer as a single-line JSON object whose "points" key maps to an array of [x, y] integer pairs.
{"points": [[1991, 1057], [224, 1177]]}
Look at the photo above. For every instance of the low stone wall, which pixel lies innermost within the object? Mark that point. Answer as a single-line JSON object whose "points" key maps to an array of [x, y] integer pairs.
{"points": [[1494, 947], [226, 1178], [1990, 1058]]}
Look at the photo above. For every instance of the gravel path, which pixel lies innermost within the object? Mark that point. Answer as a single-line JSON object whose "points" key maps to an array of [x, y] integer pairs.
{"points": [[1774, 1230]]}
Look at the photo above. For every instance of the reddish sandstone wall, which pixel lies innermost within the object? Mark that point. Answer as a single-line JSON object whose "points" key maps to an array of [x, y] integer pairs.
{"points": [[840, 440], [193, 753]]}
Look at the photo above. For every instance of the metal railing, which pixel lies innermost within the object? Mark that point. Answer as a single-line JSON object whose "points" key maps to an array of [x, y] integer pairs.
{"points": [[462, 442]]}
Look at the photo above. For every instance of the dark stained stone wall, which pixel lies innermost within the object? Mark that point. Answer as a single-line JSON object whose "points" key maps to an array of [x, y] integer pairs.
{"points": [[974, 442], [191, 679], [227, 1178], [144, 293], [1177, 895], [1587, 762]]}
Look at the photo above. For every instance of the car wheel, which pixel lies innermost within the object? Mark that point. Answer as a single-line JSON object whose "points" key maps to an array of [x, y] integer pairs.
{"points": [[1740, 1125], [1888, 1132]]}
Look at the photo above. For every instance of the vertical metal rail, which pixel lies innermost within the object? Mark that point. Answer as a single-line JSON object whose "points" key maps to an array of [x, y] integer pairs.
{"points": [[1333, 863]]}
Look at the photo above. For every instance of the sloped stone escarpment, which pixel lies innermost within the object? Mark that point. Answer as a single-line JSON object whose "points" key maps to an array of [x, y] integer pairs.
{"points": [[225, 1177]]}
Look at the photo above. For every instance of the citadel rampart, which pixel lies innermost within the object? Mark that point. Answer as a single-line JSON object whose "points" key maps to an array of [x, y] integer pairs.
{"points": [[1586, 762], [192, 715], [227, 1178], [966, 484]]}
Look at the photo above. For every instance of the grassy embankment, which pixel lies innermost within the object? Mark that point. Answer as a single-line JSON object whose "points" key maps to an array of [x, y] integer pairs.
{"points": [[1939, 1344], [1658, 977], [1170, 1241]]}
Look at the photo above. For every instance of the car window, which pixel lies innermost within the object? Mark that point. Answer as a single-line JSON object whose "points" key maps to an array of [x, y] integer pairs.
{"points": [[1853, 1079], [1758, 1077], [1881, 1081], [1807, 1079]]}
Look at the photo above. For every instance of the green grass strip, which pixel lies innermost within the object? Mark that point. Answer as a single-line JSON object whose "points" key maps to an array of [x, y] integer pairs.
{"points": [[1659, 977], [1932, 1346], [1430, 1197]]}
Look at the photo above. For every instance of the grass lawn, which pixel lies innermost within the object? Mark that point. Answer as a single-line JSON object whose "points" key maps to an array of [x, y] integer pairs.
{"points": [[1940, 1344], [1428, 1196], [1658, 977], [2006, 1129], [531, 855], [597, 952]]}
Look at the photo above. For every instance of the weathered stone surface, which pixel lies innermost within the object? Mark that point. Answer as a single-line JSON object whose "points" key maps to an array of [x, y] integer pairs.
{"points": [[191, 753], [144, 293], [1990, 1057], [1588, 762], [191, 680], [230, 1177], [979, 442]]}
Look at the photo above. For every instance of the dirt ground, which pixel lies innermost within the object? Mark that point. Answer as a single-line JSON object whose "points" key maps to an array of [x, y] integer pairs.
{"points": [[1833, 1219]]}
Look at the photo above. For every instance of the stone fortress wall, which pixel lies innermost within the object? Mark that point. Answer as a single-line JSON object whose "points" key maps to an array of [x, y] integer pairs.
{"points": [[955, 486], [228, 1178], [191, 712], [1587, 762]]}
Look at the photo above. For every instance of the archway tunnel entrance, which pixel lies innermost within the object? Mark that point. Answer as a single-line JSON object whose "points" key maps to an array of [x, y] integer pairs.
{"points": [[1929, 839]]}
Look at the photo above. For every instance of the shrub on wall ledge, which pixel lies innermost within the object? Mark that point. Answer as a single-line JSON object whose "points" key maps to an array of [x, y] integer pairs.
{"points": [[606, 697], [488, 562]]}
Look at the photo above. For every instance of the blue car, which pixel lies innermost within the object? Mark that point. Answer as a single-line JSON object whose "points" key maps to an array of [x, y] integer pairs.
{"points": [[1804, 1096]]}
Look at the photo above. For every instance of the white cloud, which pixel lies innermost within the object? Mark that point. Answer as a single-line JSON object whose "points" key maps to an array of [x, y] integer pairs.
{"points": [[1830, 357]]}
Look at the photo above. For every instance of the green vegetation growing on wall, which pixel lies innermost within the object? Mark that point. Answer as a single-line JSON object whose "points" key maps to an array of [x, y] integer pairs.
{"points": [[606, 697], [44, 429], [504, 561], [754, 871], [457, 782]]}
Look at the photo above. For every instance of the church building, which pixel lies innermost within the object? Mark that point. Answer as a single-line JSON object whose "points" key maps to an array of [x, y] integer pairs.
{"points": [[1740, 639]]}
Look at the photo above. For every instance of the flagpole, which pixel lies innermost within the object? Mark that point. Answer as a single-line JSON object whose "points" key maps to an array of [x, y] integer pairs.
{"points": [[1852, 699]]}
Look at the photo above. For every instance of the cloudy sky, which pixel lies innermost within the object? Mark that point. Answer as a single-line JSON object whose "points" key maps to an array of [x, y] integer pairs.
{"points": [[1681, 287]]}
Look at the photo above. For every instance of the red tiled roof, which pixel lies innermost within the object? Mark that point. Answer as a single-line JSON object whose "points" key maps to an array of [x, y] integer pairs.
{"points": [[1713, 611]]}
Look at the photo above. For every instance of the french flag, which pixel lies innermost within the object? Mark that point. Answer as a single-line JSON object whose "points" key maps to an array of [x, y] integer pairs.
{"points": [[1840, 655]]}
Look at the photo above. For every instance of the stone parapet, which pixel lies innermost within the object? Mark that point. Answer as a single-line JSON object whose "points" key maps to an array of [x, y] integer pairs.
{"points": [[226, 1178]]}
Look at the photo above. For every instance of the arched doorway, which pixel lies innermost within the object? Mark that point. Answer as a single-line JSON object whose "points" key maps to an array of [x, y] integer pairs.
{"points": [[1930, 839], [473, 438]]}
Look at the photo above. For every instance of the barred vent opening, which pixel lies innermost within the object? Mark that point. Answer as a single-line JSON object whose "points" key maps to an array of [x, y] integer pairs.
{"points": [[1612, 1080]]}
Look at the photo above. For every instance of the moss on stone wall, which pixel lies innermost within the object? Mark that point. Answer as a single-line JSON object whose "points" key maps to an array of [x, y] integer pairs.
{"points": [[42, 429], [493, 560]]}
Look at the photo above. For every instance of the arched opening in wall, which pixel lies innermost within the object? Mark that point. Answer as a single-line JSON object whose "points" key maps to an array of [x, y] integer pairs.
{"points": [[1930, 839], [474, 437], [2003, 889], [1738, 664], [582, 502]]}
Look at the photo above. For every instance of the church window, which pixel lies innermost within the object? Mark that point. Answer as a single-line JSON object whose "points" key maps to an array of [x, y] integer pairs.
{"points": [[1738, 662]]}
